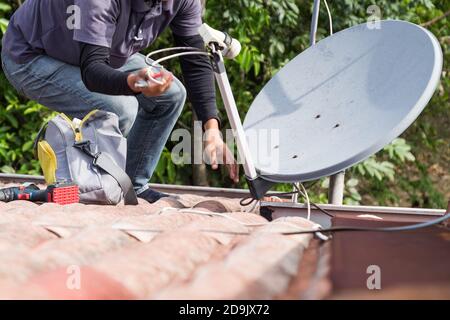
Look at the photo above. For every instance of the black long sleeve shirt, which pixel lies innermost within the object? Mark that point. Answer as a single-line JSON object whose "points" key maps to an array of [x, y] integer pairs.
{"points": [[99, 76]]}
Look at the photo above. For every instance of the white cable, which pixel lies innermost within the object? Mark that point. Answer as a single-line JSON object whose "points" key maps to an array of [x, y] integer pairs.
{"points": [[330, 19], [295, 195], [308, 204], [155, 64], [223, 215], [149, 61], [206, 213], [257, 203], [321, 236], [304, 194]]}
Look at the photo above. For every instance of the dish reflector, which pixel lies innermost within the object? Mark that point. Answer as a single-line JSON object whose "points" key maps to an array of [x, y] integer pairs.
{"points": [[342, 100]]}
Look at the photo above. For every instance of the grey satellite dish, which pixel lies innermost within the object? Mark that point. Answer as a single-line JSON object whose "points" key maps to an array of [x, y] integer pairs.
{"points": [[335, 104], [342, 100]]}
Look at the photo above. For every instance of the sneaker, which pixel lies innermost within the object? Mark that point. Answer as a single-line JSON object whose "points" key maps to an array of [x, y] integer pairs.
{"points": [[152, 196]]}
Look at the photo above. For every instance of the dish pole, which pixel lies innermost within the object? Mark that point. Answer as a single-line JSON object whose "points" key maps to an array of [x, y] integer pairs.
{"points": [[337, 181]]}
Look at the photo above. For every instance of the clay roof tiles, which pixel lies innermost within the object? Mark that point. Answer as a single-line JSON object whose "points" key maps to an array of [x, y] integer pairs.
{"points": [[191, 247]]}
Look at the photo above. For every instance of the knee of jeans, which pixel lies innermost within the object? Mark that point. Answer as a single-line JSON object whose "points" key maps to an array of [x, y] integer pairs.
{"points": [[125, 108], [176, 96], [179, 96], [170, 103], [127, 117]]}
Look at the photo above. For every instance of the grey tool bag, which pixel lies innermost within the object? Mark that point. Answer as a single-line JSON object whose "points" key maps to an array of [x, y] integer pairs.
{"points": [[90, 153]]}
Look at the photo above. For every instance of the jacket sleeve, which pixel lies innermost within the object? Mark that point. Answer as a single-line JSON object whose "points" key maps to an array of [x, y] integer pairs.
{"points": [[199, 79], [98, 75]]}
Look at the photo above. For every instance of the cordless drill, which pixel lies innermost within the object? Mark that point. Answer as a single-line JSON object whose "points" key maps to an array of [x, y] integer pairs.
{"points": [[61, 193]]}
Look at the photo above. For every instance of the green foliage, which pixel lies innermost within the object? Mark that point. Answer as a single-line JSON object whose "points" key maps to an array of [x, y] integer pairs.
{"points": [[19, 121], [4, 11], [422, 191], [397, 152], [4, 8], [166, 171], [272, 32]]}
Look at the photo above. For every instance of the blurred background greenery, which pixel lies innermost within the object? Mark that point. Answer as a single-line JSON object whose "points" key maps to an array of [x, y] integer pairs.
{"points": [[413, 170]]}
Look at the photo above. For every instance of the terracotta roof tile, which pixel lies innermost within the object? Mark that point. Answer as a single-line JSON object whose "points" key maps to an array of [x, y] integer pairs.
{"points": [[175, 248], [18, 204], [21, 270], [22, 234], [259, 268], [83, 248], [53, 285], [149, 267], [11, 217]]}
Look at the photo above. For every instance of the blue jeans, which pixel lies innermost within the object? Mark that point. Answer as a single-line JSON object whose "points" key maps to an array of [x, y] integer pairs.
{"points": [[145, 121]]}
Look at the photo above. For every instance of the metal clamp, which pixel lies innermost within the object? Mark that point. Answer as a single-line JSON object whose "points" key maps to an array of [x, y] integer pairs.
{"points": [[85, 146]]}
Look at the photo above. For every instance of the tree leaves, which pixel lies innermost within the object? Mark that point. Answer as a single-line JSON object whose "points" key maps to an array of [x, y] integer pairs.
{"points": [[400, 150], [272, 32]]}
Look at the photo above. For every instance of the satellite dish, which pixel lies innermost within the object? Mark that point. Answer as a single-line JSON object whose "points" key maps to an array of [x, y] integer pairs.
{"points": [[342, 100]]}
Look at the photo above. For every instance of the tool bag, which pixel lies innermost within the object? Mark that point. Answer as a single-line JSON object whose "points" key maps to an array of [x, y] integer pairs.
{"points": [[90, 153]]}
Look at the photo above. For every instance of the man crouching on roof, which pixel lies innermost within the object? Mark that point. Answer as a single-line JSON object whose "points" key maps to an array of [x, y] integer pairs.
{"points": [[95, 63]]}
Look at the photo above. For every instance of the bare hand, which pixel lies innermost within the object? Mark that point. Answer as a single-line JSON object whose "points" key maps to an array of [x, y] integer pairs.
{"points": [[153, 89], [218, 152]]}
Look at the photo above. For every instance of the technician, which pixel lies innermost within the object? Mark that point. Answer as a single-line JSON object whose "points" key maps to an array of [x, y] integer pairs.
{"points": [[74, 56]]}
